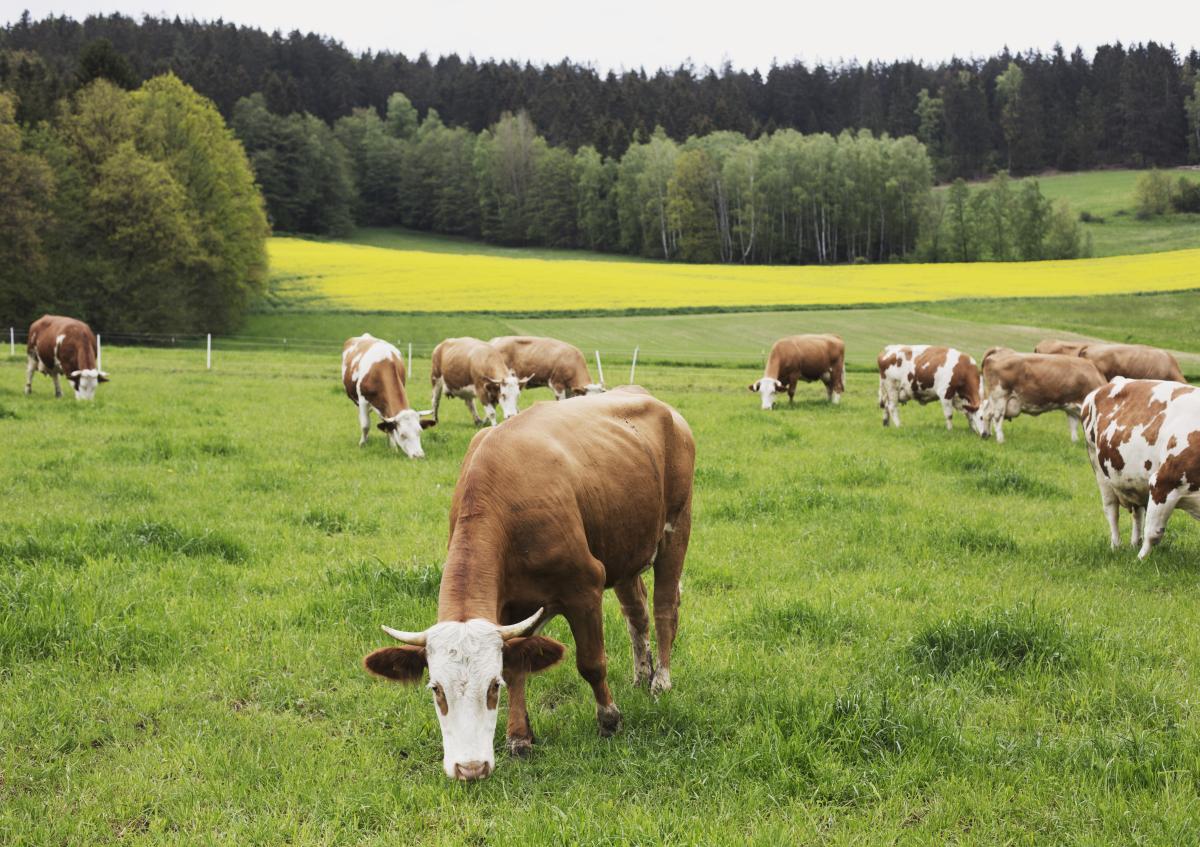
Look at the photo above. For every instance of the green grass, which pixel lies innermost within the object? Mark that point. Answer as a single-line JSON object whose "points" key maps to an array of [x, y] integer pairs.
{"points": [[886, 635]]}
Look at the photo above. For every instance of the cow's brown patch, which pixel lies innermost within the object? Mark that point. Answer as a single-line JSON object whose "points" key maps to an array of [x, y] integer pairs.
{"points": [[493, 695], [888, 359], [1183, 465], [964, 383], [1149, 464], [1119, 412], [1171, 442], [439, 698], [925, 367], [1183, 389]]}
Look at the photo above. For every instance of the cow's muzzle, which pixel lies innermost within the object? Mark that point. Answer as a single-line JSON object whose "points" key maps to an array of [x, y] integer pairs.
{"points": [[471, 771]]}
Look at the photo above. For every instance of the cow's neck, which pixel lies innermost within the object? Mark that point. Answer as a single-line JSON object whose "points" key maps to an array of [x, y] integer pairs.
{"points": [[473, 577]]}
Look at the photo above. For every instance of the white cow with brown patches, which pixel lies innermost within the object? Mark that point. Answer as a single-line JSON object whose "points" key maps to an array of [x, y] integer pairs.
{"points": [[930, 374], [1143, 439], [373, 375]]}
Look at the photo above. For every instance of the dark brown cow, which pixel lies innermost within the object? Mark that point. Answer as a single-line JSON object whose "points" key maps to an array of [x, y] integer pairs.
{"points": [[930, 374], [59, 345], [1143, 439], [373, 375], [547, 362], [551, 509], [1033, 383], [803, 357], [473, 369]]}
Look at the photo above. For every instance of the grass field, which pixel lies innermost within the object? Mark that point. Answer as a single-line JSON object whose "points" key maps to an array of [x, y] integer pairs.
{"points": [[887, 635]]}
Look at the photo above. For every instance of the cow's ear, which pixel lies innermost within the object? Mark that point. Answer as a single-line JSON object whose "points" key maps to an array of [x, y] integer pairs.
{"points": [[578, 392], [426, 423], [386, 426], [532, 654], [403, 664], [102, 377], [754, 385]]}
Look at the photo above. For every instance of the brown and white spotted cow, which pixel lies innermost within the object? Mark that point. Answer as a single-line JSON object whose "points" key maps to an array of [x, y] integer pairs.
{"points": [[63, 346], [374, 376], [1060, 348], [930, 374], [803, 357], [1034, 383], [547, 362], [1143, 439], [551, 509], [473, 369]]}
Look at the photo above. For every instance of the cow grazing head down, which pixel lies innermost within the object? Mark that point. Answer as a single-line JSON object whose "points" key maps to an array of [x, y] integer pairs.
{"points": [[404, 432], [85, 382], [467, 662], [767, 388], [504, 393]]}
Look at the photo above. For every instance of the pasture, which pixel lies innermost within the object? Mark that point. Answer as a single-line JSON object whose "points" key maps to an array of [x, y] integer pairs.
{"points": [[885, 634]]}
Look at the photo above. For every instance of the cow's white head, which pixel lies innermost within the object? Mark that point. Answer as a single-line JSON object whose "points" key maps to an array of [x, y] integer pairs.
{"points": [[767, 388], [404, 431], [467, 663], [509, 389], [85, 382]]}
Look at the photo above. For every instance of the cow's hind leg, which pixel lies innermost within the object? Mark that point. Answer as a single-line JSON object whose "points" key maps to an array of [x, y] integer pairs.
{"points": [[1073, 424], [632, 594], [1157, 515], [470, 401], [1112, 512], [30, 367], [668, 574], [57, 387], [948, 413], [364, 421], [1139, 523], [439, 385]]}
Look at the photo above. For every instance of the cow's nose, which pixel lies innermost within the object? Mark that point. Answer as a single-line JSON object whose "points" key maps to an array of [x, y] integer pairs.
{"points": [[471, 771]]}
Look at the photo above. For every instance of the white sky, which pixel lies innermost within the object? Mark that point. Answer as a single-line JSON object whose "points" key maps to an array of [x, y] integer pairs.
{"points": [[645, 33]]}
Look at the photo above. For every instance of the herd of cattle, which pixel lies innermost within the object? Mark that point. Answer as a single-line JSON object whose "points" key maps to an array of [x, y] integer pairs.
{"points": [[569, 499]]}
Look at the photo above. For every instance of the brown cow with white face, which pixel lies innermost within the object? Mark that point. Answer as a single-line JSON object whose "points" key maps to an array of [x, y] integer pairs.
{"points": [[66, 346], [551, 509], [1034, 383], [803, 357], [1143, 439], [373, 374], [930, 374], [473, 369], [547, 362]]}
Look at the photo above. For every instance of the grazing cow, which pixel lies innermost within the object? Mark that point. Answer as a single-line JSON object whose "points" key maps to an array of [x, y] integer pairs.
{"points": [[1060, 348], [928, 374], [550, 510], [470, 369], [1133, 361], [1033, 383], [547, 362], [1143, 439], [803, 357], [374, 376], [59, 345]]}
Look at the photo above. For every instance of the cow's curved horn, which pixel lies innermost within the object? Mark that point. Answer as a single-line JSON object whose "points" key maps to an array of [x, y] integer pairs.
{"points": [[417, 639], [523, 628]]}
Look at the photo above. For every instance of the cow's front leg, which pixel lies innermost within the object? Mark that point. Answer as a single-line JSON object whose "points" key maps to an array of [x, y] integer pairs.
{"points": [[489, 412], [519, 734], [439, 385], [1157, 515], [57, 387], [948, 414], [1073, 423], [668, 587], [30, 367], [364, 421], [586, 618], [470, 401], [632, 594], [1139, 522]]}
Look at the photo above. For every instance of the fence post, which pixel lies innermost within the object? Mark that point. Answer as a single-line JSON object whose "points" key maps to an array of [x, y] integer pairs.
{"points": [[99, 354], [599, 367], [208, 353], [12, 341], [633, 367]]}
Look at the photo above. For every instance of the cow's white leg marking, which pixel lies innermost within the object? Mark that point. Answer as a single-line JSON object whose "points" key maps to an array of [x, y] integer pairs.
{"points": [[57, 387], [30, 367], [489, 411], [1157, 515], [1139, 523], [948, 412], [438, 388], [1112, 511], [632, 595], [1073, 422], [364, 420]]}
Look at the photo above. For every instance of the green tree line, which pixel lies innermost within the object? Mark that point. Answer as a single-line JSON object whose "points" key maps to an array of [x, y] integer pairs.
{"points": [[135, 210]]}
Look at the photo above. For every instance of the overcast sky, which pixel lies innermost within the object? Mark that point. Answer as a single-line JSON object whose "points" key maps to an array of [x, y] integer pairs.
{"points": [[650, 34]]}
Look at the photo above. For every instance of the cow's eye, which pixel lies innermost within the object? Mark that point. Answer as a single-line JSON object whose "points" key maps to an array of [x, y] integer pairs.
{"points": [[493, 694]]}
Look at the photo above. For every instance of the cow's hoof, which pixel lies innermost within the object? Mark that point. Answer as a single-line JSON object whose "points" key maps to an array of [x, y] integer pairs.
{"points": [[520, 748], [661, 683], [609, 718]]}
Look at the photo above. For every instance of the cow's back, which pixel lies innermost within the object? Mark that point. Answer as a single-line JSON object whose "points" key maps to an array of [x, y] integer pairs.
{"points": [[1133, 361], [806, 356], [373, 370], [461, 361], [613, 467], [1042, 378], [77, 351]]}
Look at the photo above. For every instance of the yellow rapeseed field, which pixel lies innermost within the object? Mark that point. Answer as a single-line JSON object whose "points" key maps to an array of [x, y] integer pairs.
{"points": [[375, 278]]}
